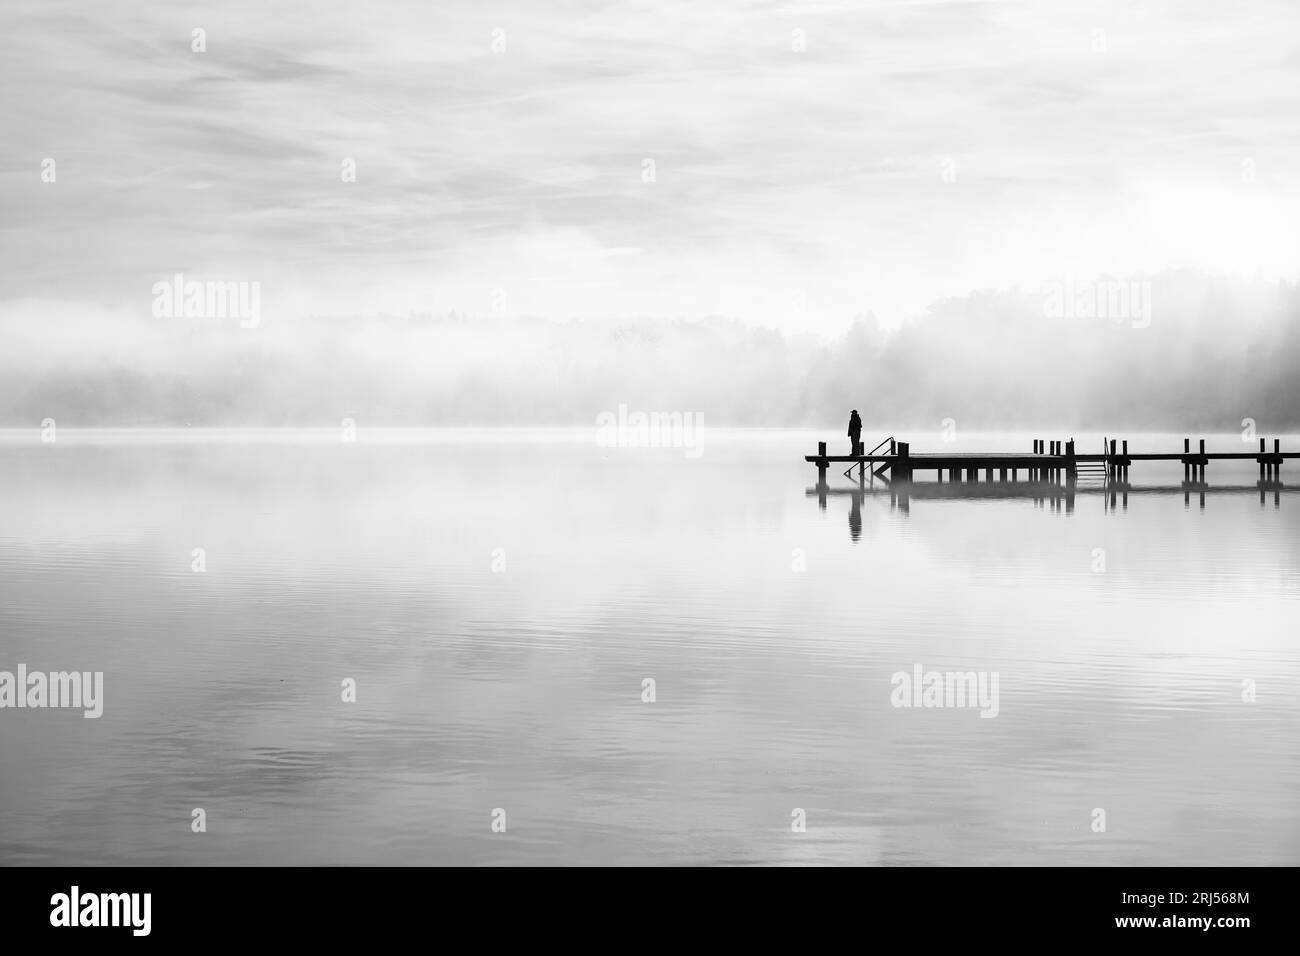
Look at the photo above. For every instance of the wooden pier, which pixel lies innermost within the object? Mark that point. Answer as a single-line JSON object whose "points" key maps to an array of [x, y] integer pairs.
{"points": [[1054, 463]]}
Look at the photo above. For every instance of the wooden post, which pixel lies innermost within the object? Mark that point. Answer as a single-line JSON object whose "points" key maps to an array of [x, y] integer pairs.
{"points": [[821, 464], [903, 466], [1277, 462]]}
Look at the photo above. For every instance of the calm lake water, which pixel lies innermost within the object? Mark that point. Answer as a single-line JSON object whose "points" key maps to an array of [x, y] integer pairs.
{"points": [[500, 598]]}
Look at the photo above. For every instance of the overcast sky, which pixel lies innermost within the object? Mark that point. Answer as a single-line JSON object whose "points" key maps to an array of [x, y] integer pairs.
{"points": [[792, 188]]}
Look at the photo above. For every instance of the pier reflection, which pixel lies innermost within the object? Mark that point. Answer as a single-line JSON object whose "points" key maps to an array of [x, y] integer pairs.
{"points": [[1055, 497]]}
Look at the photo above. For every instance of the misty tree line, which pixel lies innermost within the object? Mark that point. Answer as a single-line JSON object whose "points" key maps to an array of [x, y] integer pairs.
{"points": [[1214, 352]]}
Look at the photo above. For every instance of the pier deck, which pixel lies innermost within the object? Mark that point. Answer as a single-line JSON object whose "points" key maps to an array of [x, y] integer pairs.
{"points": [[1054, 462]]}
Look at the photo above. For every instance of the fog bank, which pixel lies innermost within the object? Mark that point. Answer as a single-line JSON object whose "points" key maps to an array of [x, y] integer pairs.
{"points": [[1182, 350]]}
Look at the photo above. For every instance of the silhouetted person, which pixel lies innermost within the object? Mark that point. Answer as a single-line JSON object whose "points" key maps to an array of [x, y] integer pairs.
{"points": [[855, 431]]}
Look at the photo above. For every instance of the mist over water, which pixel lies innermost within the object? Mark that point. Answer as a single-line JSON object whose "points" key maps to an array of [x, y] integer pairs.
{"points": [[1190, 351], [500, 597]]}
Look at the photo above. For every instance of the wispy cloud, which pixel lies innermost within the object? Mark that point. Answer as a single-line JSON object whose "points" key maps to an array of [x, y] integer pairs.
{"points": [[886, 155]]}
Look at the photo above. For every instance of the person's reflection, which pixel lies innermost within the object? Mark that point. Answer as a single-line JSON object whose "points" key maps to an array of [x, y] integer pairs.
{"points": [[855, 516]]}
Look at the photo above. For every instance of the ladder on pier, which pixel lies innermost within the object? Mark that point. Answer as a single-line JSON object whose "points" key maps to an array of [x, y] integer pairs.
{"points": [[881, 469]]}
